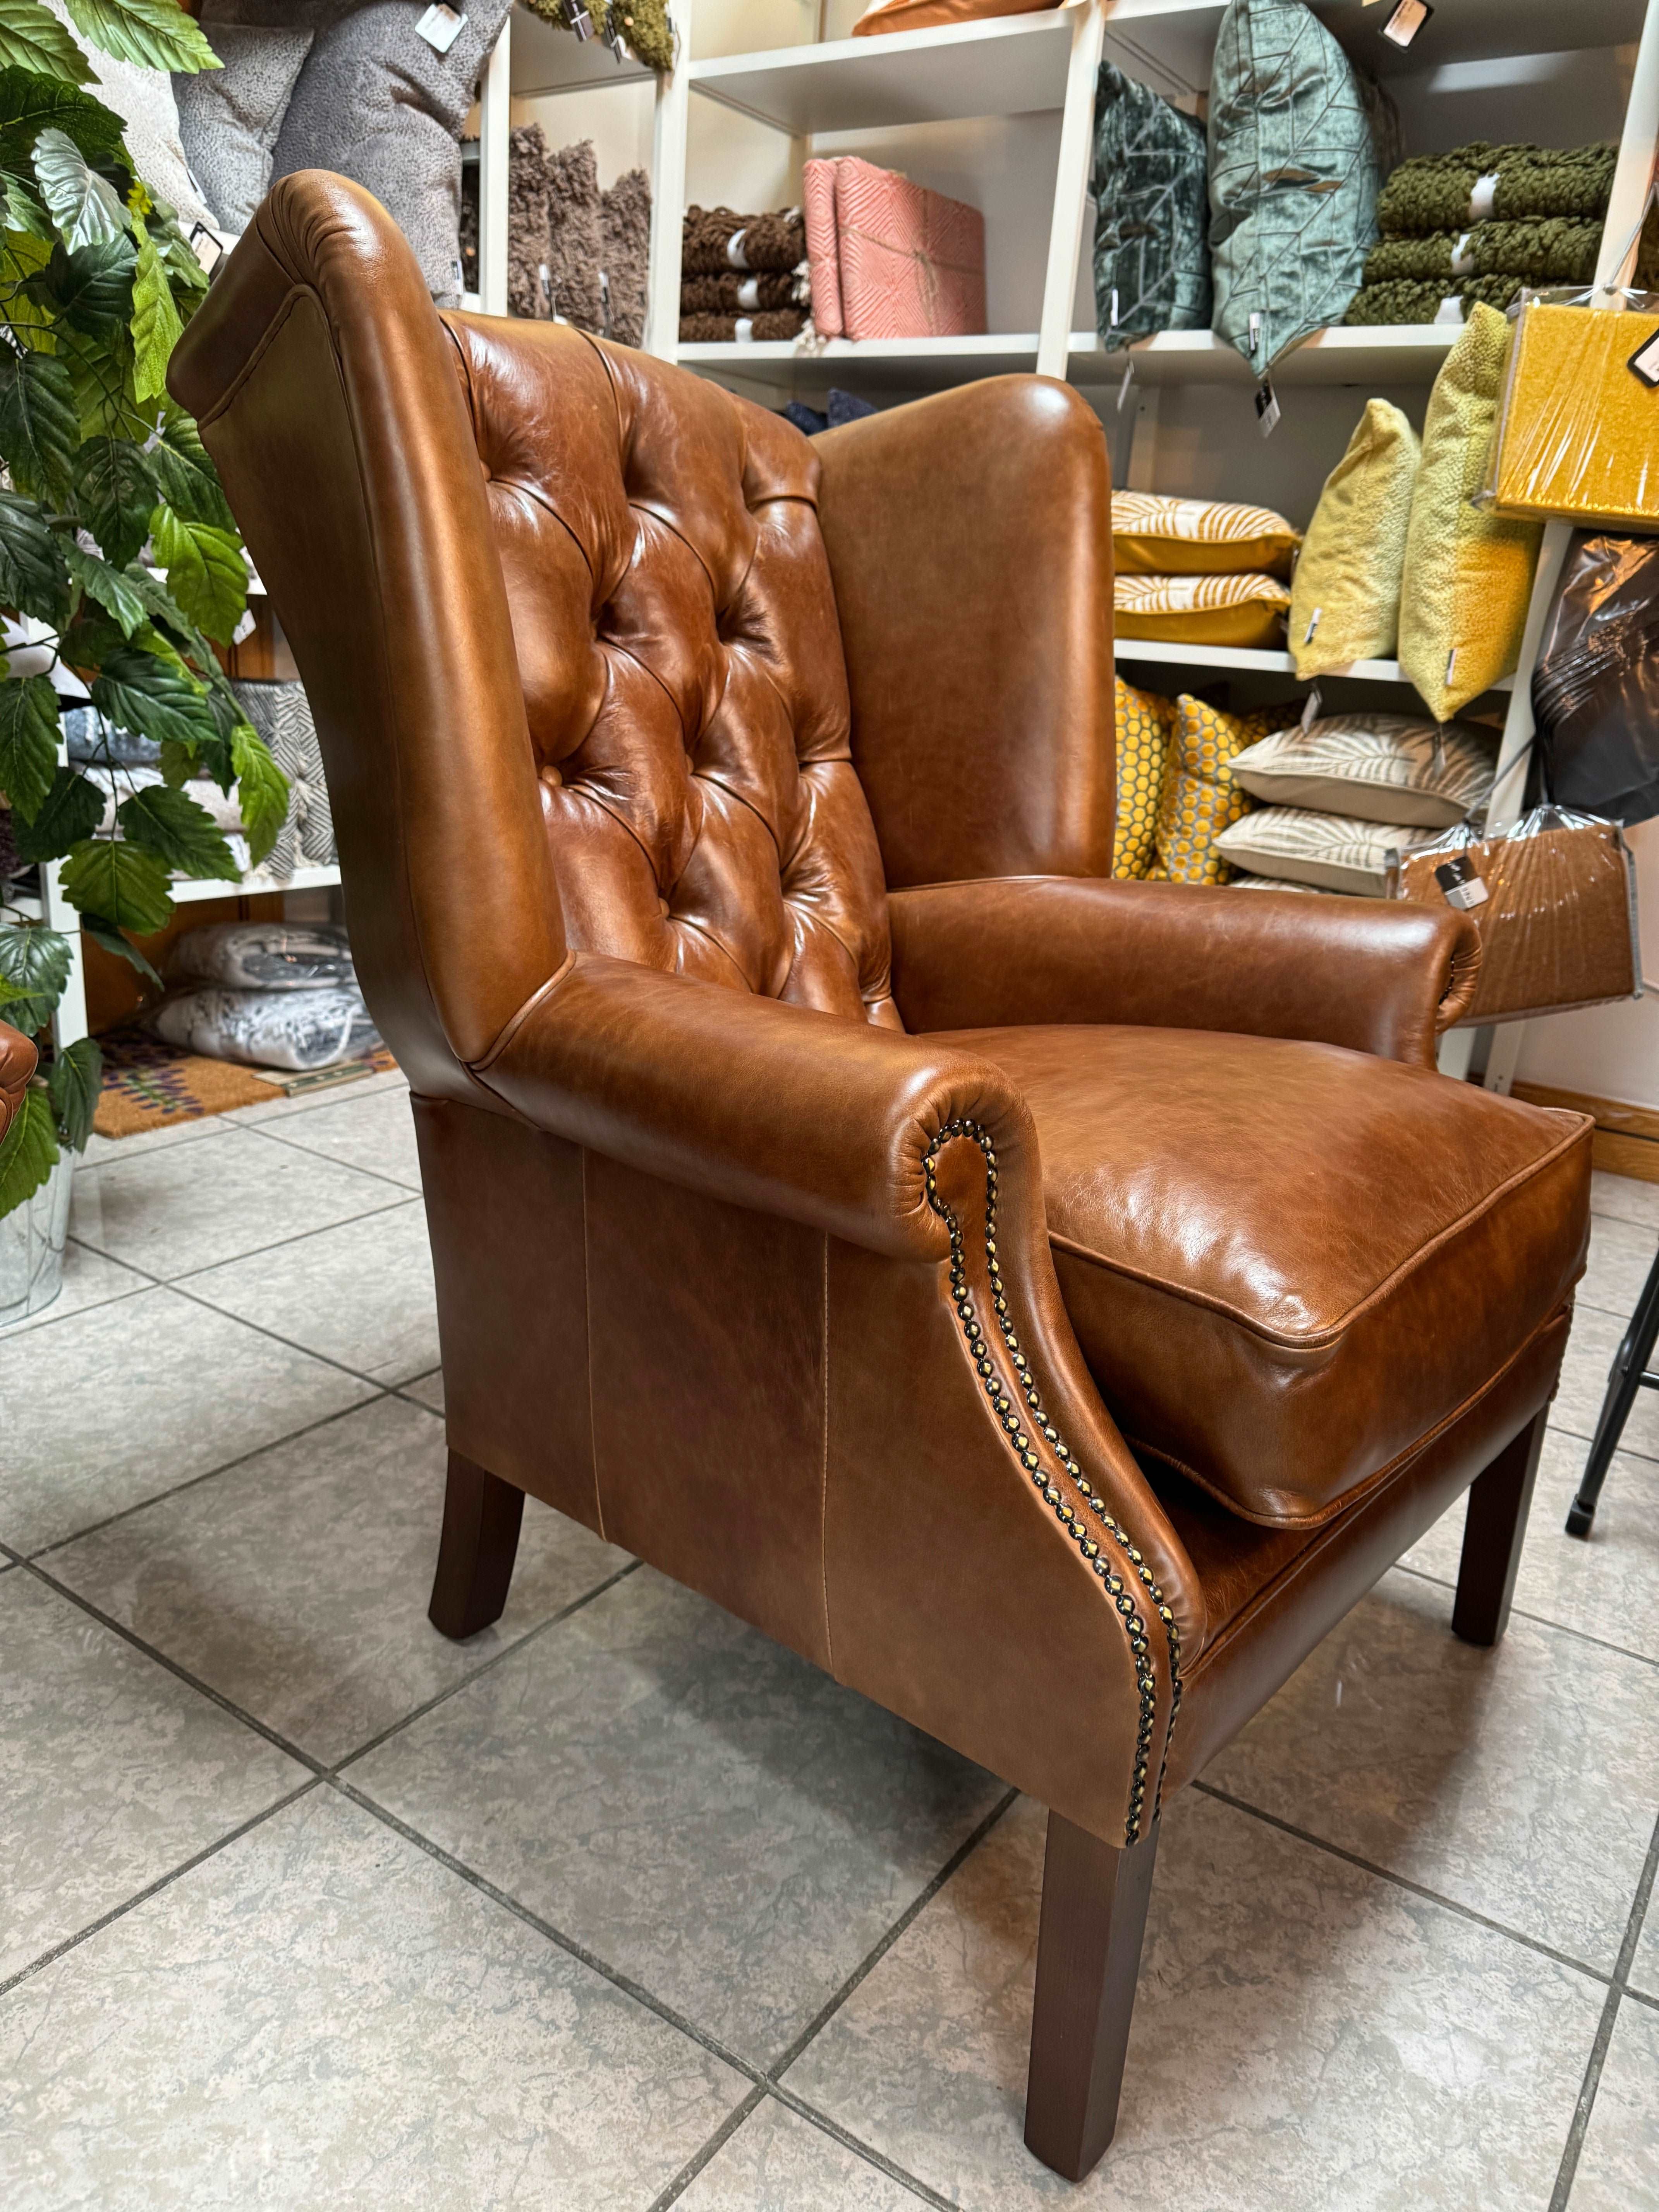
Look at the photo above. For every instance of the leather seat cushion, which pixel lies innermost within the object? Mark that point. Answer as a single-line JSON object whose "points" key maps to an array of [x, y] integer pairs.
{"points": [[1289, 1265]]}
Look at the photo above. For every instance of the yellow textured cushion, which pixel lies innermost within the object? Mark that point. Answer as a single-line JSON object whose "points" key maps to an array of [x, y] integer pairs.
{"points": [[1153, 535], [1199, 798], [1468, 574], [1144, 726], [1579, 426], [1203, 609], [1345, 602]]}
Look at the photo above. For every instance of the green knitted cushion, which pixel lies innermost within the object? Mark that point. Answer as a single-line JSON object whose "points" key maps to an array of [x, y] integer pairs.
{"points": [[1293, 178], [1151, 214]]}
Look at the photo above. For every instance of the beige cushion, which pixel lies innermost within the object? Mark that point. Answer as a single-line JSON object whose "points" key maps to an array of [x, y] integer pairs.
{"points": [[1153, 535], [1345, 603], [1328, 852], [1247, 611], [1380, 768], [1275, 883]]}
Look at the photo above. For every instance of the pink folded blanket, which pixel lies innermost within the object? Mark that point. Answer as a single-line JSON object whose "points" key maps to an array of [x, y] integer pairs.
{"points": [[889, 258]]}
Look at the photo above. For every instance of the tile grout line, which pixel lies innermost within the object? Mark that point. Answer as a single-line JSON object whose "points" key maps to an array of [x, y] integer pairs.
{"points": [[258, 1251], [1404, 1881], [258, 1129], [1538, 1619], [792, 2102], [163, 1881], [1574, 2147], [752, 2098]]}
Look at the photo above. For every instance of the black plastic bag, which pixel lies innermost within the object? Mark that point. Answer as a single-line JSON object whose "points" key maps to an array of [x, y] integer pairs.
{"points": [[1595, 689]]}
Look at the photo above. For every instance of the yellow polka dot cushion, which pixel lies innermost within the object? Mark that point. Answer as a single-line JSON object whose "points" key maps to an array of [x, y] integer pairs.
{"points": [[1345, 602], [1145, 723], [1248, 611], [1153, 535], [1199, 798], [1468, 574]]}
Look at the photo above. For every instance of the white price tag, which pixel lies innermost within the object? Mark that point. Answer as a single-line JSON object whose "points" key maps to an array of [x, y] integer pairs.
{"points": [[440, 27], [1267, 408]]}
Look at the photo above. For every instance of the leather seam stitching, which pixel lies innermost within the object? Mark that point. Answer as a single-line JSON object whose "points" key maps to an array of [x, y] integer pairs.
{"points": [[515, 1021], [268, 337], [1319, 1340]]}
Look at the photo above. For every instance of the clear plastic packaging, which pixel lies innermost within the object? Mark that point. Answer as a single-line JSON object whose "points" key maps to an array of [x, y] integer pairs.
{"points": [[1596, 688], [264, 956], [1554, 897], [292, 1029], [1577, 432]]}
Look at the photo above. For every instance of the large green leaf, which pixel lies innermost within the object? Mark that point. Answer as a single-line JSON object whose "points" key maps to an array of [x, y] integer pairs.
{"points": [[23, 209], [29, 101], [104, 931], [155, 323], [205, 572], [185, 474], [261, 787], [155, 34], [28, 742], [178, 829], [28, 1152], [126, 886], [165, 610], [34, 966], [90, 289], [38, 427], [86, 207], [73, 1083], [70, 810], [138, 691], [109, 588], [116, 492], [33, 580], [32, 38]]}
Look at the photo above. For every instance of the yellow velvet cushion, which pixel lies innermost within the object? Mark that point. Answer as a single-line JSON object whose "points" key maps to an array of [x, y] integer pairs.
{"points": [[1153, 535], [1579, 425], [1468, 574], [1203, 609], [1199, 798], [1345, 602], [1144, 724]]}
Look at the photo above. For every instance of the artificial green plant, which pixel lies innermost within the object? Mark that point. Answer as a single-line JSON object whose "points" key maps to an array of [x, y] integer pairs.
{"points": [[120, 558]]}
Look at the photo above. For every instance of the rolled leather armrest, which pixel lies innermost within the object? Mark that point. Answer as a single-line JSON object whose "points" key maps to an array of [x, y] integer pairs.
{"points": [[768, 1106], [1379, 978], [16, 1066]]}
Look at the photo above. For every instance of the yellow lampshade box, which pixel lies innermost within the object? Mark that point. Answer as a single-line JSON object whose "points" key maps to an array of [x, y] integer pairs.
{"points": [[1579, 433]]}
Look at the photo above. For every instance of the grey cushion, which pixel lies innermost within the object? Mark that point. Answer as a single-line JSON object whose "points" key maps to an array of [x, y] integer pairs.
{"points": [[229, 118], [1151, 214], [1293, 181]]}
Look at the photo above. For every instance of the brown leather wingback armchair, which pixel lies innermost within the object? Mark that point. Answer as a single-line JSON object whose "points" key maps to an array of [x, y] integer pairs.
{"points": [[16, 1066], [1047, 1303]]}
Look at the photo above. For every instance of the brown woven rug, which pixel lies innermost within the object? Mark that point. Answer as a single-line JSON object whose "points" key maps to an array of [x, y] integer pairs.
{"points": [[150, 1085]]}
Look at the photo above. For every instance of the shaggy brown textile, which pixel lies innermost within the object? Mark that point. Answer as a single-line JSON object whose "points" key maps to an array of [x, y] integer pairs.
{"points": [[625, 234], [575, 252], [720, 330], [721, 295], [528, 159], [775, 242]]}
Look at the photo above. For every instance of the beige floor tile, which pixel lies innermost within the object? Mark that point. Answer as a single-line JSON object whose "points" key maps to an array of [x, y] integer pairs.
{"points": [[695, 1805], [1481, 1774], [104, 1409], [315, 1102], [428, 1388], [113, 1771], [321, 2015], [1619, 2166], [375, 1133], [1622, 1253], [1307, 2037], [779, 2162], [89, 1279], [296, 1584], [1624, 1198], [1576, 1406]]}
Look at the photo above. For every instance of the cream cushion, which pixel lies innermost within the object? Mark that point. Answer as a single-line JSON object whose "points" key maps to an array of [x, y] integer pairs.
{"points": [[1327, 852], [1379, 768]]}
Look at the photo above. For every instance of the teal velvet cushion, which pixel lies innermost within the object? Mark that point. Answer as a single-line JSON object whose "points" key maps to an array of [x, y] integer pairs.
{"points": [[1293, 181], [1151, 214]]}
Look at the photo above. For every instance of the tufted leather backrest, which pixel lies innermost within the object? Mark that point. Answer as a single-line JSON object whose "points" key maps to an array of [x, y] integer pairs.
{"points": [[681, 660]]}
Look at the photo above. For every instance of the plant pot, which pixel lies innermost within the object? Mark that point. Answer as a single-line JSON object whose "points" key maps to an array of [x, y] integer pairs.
{"points": [[32, 1246]]}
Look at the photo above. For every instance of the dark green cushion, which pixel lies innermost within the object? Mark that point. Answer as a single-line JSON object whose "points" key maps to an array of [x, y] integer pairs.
{"points": [[1293, 178], [1151, 214]]}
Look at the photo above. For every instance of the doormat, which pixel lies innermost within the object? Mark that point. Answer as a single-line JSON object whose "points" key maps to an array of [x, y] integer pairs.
{"points": [[149, 1085]]}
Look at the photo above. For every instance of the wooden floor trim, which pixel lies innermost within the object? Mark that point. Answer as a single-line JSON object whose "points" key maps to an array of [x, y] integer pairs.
{"points": [[1627, 1140]]}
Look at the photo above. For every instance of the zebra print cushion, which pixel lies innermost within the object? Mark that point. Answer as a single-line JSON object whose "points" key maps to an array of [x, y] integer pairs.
{"points": [[1328, 852], [1153, 535], [1379, 768]]}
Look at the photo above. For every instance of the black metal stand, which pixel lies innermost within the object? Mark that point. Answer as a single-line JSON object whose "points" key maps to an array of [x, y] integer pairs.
{"points": [[1630, 1374]]}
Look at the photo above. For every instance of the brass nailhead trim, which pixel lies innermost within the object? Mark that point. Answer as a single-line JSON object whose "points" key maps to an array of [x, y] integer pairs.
{"points": [[1018, 1427]]}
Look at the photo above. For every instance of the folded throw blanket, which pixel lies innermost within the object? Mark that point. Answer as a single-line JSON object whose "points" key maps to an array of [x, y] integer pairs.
{"points": [[723, 330], [1406, 302], [1509, 183], [717, 238], [1558, 251], [736, 295]]}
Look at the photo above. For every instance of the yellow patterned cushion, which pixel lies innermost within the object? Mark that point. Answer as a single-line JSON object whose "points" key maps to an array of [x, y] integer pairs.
{"points": [[1199, 798], [1144, 724], [1577, 433], [1345, 602], [1153, 535], [1203, 609], [1468, 574]]}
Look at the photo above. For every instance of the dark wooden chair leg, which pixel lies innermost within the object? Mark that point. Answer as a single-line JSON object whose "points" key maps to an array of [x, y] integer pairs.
{"points": [[482, 1515], [1094, 1915], [1492, 1537]]}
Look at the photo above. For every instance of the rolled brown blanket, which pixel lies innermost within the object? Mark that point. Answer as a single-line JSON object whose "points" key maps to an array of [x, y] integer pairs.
{"points": [[722, 329], [735, 293], [719, 239]]}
